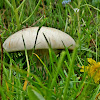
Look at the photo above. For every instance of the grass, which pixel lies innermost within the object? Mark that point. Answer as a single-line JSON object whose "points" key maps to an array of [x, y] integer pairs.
{"points": [[61, 79]]}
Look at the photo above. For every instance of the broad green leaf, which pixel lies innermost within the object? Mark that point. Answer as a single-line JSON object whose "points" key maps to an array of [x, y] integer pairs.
{"points": [[33, 94]]}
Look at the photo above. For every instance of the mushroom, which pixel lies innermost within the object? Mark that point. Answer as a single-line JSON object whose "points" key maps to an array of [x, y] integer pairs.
{"points": [[56, 38]]}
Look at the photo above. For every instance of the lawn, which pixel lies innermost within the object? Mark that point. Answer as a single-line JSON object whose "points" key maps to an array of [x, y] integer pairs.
{"points": [[69, 75]]}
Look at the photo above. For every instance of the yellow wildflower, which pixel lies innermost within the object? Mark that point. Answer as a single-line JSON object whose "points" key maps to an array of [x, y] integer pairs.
{"points": [[84, 68], [93, 69]]}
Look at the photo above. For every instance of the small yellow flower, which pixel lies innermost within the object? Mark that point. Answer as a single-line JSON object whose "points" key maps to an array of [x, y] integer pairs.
{"points": [[91, 61], [93, 69], [84, 68]]}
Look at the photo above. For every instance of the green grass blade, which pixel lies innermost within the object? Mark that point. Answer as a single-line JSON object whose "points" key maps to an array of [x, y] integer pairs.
{"points": [[59, 65], [9, 4], [69, 73], [21, 5], [32, 12]]}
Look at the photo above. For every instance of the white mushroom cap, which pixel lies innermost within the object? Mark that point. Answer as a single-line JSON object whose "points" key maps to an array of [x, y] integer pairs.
{"points": [[55, 37]]}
